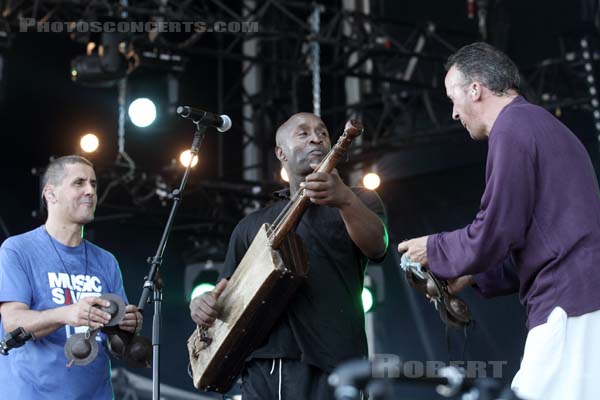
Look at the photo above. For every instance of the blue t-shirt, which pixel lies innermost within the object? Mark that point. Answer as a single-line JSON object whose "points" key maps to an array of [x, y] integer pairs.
{"points": [[31, 272]]}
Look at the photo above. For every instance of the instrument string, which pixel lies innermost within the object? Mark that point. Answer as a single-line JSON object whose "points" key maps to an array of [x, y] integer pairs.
{"points": [[296, 198], [299, 195]]}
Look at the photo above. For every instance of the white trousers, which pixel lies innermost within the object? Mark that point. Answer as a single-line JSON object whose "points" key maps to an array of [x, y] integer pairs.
{"points": [[561, 360]]}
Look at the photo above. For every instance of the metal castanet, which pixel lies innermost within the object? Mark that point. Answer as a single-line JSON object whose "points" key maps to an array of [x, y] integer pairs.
{"points": [[453, 311], [273, 268]]}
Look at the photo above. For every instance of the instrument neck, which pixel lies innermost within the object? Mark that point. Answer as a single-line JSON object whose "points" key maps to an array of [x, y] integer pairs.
{"points": [[298, 201], [292, 212]]}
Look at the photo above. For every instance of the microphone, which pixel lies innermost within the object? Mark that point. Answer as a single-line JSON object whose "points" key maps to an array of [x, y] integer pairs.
{"points": [[205, 118]]}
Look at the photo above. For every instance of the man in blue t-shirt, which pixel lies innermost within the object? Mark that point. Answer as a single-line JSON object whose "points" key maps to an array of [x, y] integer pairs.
{"points": [[50, 282]]}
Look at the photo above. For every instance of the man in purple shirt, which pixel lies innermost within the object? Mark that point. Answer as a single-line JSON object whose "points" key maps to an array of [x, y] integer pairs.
{"points": [[537, 231]]}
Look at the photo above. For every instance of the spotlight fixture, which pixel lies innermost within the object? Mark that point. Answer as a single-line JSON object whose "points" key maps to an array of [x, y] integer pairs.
{"points": [[186, 156], [200, 278], [371, 181], [89, 143], [591, 84], [142, 112], [104, 63], [367, 299]]}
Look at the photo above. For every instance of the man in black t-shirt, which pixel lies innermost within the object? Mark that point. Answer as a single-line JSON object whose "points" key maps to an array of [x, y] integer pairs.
{"points": [[323, 324]]}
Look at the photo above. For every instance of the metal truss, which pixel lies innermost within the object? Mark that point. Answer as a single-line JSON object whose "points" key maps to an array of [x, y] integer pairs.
{"points": [[213, 208], [567, 80], [142, 199], [397, 65], [399, 81], [336, 59]]}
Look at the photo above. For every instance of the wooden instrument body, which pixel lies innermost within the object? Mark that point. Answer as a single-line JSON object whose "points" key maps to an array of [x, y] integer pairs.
{"points": [[253, 300]]}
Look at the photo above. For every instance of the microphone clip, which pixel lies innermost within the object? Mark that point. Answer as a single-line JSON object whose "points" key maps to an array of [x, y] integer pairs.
{"points": [[14, 339]]}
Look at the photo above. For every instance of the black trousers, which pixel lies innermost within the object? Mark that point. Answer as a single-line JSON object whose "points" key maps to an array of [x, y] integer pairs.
{"points": [[266, 379]]}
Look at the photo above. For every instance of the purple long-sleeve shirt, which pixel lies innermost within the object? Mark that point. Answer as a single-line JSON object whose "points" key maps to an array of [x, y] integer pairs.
{"points": [[538, 228]]}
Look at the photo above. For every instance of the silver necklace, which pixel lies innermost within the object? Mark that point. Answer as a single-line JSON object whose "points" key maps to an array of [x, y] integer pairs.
{"points": [[60, 258]]}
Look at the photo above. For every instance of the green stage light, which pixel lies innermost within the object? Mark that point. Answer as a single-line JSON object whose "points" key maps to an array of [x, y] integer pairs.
{"points": [[201, 288], [367, 299], [200, 277]]}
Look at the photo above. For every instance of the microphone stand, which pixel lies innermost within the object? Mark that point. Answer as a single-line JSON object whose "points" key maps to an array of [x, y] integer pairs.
{"points": [[153, 281]]}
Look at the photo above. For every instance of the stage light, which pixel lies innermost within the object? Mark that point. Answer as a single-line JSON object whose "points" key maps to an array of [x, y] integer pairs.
{"points": [[367, 299], [284, 175], [89, 143], [185, 157], [591, 84], [373, 293], [200, 278], [200, 289], [371, 181], [105, 63], [142, 112]]}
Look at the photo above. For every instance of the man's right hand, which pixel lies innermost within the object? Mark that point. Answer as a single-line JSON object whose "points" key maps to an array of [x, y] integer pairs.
{"points": [[83, 313], [203, 309], [41, 323]]}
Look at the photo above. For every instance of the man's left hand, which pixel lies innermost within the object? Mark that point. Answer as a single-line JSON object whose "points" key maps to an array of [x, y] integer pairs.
{"points": [[327, 189], [416, 249], [132, 322]]}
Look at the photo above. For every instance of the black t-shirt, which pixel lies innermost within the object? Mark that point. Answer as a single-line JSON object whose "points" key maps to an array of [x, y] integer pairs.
{"points": [[324, 322]]}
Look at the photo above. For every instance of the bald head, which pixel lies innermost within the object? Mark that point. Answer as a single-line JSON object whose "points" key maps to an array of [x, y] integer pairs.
{"points": [[296, 120], [302, 140]]}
